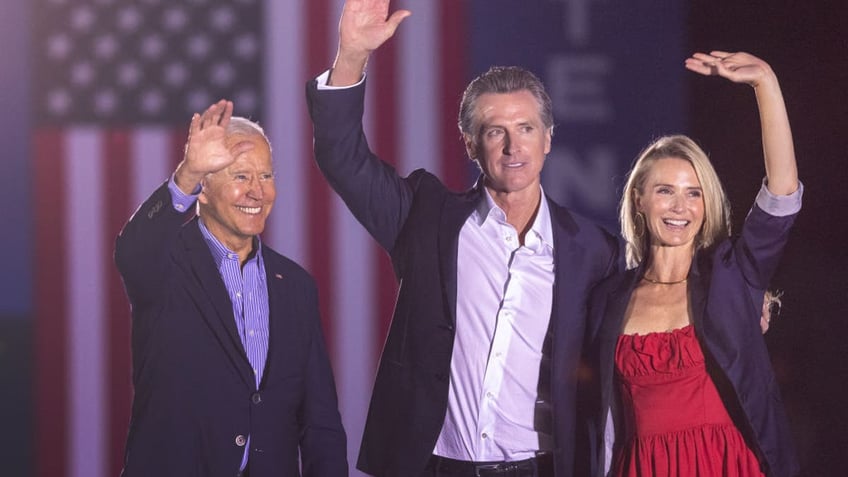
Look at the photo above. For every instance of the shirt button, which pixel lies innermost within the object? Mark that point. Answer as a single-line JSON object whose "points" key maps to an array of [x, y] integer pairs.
{"points": [[484, 435], [255, 398], [240, 440], [490, 395]]}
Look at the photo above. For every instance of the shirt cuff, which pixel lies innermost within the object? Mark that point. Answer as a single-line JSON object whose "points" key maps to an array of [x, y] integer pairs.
{"points": [[179, 199], [325, 76], [780, 205]]}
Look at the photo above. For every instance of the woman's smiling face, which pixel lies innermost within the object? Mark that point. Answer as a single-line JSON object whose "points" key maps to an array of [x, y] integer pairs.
{"points": [[673, 203]]}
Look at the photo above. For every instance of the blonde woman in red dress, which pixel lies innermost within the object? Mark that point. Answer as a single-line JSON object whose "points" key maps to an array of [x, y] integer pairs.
{"points": [[687, 386]]}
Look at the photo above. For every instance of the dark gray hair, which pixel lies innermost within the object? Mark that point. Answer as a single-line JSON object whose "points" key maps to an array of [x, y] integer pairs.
{"points": [[502, 79]]}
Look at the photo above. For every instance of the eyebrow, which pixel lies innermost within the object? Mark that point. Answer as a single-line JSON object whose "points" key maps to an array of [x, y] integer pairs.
{"points": [[498, 125], [673, 186]]}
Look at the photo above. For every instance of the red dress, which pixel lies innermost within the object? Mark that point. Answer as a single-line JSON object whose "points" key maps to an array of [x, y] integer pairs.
{"points": [[675, 423]]}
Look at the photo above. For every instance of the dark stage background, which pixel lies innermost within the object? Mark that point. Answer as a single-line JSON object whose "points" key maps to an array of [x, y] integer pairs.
{"points": [[637, 49], [805, 42]]}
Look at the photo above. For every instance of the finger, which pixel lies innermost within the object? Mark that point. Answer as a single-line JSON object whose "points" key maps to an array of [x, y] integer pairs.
{"points": [[212, 115], [721, 54], [206, 117], [701, 67], [703, 56], [226, 114], [194, 125], [219, 111]]}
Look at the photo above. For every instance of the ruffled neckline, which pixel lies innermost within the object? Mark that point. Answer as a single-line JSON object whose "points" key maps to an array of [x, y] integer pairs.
{"points": [[658, 352]]}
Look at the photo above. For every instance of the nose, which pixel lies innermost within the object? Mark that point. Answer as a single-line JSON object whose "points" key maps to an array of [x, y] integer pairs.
{"points": [[257, 188], [677, 203], [507, 145]]}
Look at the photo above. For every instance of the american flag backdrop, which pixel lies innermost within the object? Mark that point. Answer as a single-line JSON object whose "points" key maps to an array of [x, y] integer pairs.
{"points": [[114, 87]]}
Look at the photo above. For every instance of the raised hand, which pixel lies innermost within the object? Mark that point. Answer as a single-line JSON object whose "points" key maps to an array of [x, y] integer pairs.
{"points": [[778, 148], [364, 26], [206, 149], [738, 67]]}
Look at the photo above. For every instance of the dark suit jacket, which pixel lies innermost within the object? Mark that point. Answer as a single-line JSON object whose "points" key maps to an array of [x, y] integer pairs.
{"points": [[195, 391], [727, 323], [417, 220]]}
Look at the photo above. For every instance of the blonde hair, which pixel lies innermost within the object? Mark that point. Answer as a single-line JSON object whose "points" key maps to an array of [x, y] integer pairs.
{"points": [[716, 224], [773, 298]]}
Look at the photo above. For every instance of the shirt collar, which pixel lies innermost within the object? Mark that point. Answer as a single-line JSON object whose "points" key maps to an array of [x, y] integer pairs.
{"points": [[221, 252], [541, 228]]}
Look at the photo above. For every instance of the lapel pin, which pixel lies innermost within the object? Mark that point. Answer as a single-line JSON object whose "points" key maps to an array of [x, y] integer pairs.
{"points": [[278, 276]]}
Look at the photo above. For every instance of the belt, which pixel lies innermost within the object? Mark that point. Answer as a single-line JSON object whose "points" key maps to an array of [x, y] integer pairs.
{"points": [[540, 466]]}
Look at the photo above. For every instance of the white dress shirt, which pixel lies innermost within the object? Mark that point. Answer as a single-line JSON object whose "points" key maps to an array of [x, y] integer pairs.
{"points": [[504, 297]]}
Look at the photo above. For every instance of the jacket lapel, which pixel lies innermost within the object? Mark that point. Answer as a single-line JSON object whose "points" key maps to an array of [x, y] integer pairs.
{"points": [[698, 286], [286, 299], [611, 327], [213, 300], [454, 214], [613, 316], [567, 252]]}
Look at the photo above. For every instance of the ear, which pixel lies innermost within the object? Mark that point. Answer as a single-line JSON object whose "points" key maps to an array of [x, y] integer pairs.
{"points": [[202, 197], [548, 138], [470, 146], [637, 200]]}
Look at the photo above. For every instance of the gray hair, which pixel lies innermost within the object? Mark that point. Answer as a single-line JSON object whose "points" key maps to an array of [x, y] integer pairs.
{"points": [[239, 125], [246, 127], [502, 79]]}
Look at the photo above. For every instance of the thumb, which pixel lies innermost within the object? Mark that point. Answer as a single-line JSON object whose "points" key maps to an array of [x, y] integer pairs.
{"points": [[396, 18]]}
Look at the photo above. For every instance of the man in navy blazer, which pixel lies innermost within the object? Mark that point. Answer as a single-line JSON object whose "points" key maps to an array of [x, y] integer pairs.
{"points": [[478, 373], [230, 371]]}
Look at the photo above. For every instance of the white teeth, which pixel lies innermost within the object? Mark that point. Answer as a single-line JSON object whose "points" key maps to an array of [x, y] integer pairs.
{"points": [[679, 223], [250, 210]]}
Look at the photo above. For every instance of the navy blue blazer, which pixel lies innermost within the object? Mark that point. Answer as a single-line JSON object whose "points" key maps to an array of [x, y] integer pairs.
{"points": [[726, 319], [195, 394], [417, 220]]}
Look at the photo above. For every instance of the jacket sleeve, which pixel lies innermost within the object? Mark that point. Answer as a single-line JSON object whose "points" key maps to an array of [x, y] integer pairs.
{"points": [[143, 245], [764, 235], [323, 446], [372, 190]]}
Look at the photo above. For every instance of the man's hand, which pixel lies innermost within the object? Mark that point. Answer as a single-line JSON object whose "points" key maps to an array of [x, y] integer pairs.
{"points": [[364, 26], [206, 150]]}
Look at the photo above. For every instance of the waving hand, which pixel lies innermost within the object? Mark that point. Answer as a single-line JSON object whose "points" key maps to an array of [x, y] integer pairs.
{"points": [[778, 148], [207, 149], [364, 26]]}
